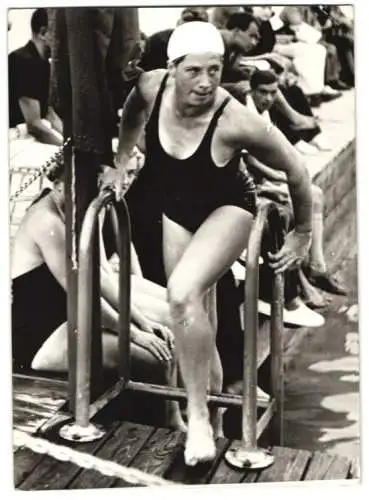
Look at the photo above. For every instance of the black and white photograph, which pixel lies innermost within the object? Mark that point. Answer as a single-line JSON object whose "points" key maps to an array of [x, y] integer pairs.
{"points": [[183, 245]]}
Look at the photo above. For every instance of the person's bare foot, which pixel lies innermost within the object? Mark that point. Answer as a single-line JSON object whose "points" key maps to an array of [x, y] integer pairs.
{"points": [[313, 298], [236, 388], [200, 444]]}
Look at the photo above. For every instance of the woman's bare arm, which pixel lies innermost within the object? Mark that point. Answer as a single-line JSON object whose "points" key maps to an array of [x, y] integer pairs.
{"points": [[268, 145]]}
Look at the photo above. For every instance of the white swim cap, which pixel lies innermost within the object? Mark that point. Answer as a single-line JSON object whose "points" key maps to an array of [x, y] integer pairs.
{"points": [[194, 37]]}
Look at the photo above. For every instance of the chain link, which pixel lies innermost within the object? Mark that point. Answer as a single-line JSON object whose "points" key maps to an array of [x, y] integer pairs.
{"points": [[91, 462], [44, 169]]}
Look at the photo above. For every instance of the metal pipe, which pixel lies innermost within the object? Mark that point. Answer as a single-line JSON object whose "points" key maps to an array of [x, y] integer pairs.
{"points": [[178, 394], [84, 321], [122, 230], [265, 419], [121, 226], [276, 332], [247, 455], [82, 429], [251, 329]]}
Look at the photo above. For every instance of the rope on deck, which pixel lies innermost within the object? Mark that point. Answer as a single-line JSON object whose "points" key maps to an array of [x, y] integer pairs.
{"points": [[86, 461]]}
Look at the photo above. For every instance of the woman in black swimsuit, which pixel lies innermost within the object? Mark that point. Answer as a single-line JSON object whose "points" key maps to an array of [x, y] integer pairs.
{"points": [[194, 135]]}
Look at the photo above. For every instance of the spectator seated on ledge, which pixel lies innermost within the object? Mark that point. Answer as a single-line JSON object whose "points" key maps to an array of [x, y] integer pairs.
{"points": [[219, 15], [240, 38], [264, 89], [337, 30], [264, 48], [29, 79], [300, 42]]}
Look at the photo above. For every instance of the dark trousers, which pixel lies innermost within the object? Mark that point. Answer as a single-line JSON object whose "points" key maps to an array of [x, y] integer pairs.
{"points": [[332, 63], [297, 100], [345, 52]]}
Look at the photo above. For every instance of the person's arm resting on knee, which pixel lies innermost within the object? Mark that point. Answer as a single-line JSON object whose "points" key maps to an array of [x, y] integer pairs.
{"points": [[32, 116]]}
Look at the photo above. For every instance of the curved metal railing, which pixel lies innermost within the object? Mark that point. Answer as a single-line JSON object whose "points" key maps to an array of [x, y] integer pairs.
{"points": [[247, 454], [121, 225]]}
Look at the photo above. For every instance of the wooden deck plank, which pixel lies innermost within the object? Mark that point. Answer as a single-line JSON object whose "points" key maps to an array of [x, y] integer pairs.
{"points": [[37, 405], [225, 474], [326, 466], [55, 389], [289, 465], [52, 474], [159, 453], [35, 401], [200, 474], [24, 462], [28, 422], [251, 477], [122, 447], [339, 469]]}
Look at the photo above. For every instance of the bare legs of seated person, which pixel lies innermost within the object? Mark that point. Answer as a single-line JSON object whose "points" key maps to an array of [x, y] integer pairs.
{"points": [[150, 354], [53, 354], [316, 269]]}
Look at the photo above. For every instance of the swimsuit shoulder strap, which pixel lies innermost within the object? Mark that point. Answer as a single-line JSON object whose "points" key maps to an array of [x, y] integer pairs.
{"points": [[216, 116], [159, 95]]}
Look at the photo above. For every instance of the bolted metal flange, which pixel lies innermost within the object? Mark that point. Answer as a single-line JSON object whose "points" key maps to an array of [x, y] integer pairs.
{"points": [[242, 458], [79, 434]]}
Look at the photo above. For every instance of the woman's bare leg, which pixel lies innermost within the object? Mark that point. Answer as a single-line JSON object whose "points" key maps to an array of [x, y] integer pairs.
{"points": [[207, 256], [216, 369]]}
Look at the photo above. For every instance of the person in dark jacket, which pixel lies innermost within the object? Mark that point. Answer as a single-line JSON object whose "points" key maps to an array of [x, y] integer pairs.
{"points": [[29, 80]]}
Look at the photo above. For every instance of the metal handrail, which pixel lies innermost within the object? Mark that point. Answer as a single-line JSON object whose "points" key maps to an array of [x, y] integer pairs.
{"points": [[122, 231], [247, 454], [121, 225], [251, 319], [82, 429]]}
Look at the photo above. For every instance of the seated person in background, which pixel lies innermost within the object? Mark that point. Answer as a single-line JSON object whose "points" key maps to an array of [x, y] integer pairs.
{"points": [[305, 141], [337, 31], [29, 79], [219, 15], [318, 18], [155, 52], [265, 46], [241, 37], [300, 42], [273, 184], [39, 280], [293, 94]]}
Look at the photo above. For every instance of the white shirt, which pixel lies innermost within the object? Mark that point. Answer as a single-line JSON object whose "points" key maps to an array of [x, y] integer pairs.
{"points": [[250, 104]]}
